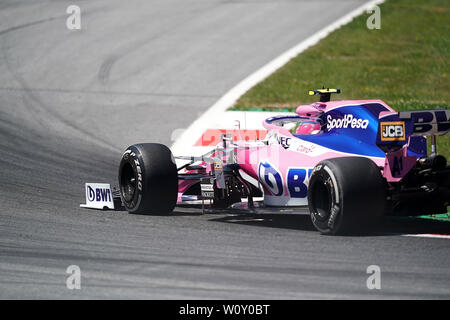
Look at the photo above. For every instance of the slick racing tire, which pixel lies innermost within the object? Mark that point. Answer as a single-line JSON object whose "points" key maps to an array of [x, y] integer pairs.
{"points": [[346, 196], [148, 179]]}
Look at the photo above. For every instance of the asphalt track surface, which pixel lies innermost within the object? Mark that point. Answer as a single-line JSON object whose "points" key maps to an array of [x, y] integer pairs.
{"points": [[72, 101]]}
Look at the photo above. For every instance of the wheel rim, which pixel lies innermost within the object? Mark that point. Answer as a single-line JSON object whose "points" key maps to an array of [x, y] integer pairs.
{"points": [[127, 182]]}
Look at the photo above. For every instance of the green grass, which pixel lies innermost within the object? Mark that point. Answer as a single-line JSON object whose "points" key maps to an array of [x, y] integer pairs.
{"points": [[406, 63]]}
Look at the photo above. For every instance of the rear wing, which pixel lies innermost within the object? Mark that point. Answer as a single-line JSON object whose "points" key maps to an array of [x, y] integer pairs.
{"points": [[395, 129], [427, 123]]}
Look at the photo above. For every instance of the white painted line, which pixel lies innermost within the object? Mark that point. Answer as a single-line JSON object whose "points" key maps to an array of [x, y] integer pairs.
{"points": [[183, 145], [428, 235]]}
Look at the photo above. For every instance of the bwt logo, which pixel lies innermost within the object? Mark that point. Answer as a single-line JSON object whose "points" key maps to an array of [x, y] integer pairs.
{"points": [[99, 194], [270, 178], [427, 122]]}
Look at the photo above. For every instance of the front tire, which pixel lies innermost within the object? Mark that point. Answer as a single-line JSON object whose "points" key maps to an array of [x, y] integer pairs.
{"points": [[346, 196], [148, 179]]}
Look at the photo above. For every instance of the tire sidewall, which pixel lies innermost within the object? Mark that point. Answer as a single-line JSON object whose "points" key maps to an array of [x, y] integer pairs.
{"points": [[321, 175], [133, 157]]}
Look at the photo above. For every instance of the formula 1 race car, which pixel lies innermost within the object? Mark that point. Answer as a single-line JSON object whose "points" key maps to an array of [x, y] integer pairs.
{"points": [[350, 162]]}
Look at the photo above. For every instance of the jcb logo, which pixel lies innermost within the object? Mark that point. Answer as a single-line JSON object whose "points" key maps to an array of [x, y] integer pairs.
{"points": [[392, 131]]}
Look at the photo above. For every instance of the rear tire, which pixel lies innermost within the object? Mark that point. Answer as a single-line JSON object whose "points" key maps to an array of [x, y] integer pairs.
{"points": [[346, 196], [148, 179]]}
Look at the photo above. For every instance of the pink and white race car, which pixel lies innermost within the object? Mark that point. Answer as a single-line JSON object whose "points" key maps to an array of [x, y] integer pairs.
{"points": [[350, 162]]}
